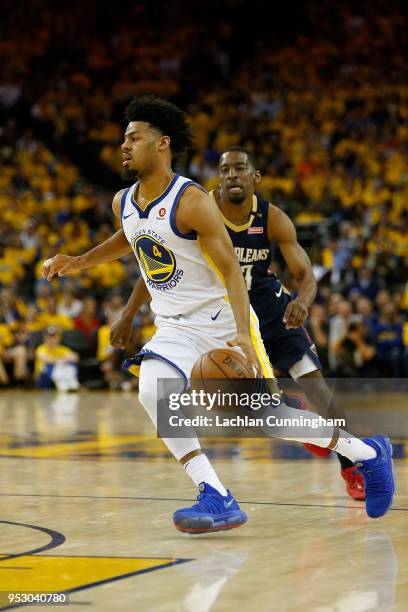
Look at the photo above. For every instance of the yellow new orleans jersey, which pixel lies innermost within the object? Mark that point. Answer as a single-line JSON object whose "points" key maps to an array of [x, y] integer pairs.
{"points": [[180, 280]]}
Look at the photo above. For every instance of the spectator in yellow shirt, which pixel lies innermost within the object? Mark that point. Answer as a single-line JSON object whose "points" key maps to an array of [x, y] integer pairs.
{"points": [[13, 350], [6, 340], [55, 364], [50, 317]]}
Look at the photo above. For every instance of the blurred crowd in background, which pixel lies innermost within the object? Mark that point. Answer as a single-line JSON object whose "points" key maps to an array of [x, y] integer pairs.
{"points": [[320, 99]]}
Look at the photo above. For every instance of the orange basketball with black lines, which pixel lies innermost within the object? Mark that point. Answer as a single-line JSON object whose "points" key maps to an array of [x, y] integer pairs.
{"points": [[222, 371], [221, 363]]}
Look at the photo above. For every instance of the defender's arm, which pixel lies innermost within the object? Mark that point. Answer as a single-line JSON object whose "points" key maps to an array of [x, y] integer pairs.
{"points": [[281, 229]]}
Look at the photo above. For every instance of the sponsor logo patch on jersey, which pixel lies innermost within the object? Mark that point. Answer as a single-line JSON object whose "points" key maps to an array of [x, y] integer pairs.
{"points": [[162, 212], [255, 230]]}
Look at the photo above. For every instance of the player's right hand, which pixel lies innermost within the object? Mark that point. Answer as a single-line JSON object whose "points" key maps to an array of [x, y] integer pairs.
{"points": [[61, 265], [121, 332], [244, 341]]}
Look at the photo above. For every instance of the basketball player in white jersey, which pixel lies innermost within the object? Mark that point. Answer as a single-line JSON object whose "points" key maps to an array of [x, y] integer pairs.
{"points": [[175, 229]]}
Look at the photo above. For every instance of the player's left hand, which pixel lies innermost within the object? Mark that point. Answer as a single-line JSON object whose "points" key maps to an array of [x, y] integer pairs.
{"points": [[245, 343], [61, 265], [121, 332], [295, 314]]}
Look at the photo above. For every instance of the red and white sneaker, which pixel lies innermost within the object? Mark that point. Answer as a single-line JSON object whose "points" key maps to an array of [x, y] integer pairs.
{"points": [[354, 483], [319, 451], [295, 400]]}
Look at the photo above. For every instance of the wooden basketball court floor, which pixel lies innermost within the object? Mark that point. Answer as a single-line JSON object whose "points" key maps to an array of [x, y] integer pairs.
{"points": [[87, 495]]}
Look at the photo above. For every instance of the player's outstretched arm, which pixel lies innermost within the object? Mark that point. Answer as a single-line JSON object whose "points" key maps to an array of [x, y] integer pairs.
{"points": [[197, 211], [281, 229], [113, 248], [121, 330]]}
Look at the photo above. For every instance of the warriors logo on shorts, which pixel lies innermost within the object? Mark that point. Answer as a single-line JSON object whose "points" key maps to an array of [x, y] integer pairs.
{"points": [[157, 261]]}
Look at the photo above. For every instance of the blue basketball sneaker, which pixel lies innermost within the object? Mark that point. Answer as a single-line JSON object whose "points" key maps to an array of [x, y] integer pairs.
{"points": [[378, 474], [213, 512]]}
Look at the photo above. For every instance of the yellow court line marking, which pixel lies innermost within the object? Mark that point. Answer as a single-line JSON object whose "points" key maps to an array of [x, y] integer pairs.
{"points": [[56, 574], [64, 448]]}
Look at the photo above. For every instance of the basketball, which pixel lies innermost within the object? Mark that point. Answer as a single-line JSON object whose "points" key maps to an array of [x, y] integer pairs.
{"points": [[221, 363], [222, 371]]}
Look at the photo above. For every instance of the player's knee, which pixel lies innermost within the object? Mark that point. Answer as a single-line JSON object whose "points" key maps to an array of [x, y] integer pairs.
{"points": [[159, 379], [148, 399]]}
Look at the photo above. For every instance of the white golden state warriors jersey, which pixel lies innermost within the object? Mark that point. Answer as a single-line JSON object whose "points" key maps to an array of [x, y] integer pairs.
{"points": [[178, 277]]}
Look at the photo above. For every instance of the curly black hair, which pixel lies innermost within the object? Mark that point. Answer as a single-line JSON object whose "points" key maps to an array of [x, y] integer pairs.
{"points": [[165, 117]]}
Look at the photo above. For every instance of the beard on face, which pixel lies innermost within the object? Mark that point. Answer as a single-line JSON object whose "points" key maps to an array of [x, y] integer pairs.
{"points": [[236, 198], [129, 174], [233, 198]]}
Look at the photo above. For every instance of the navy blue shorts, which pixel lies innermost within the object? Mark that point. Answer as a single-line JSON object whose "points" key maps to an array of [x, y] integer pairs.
{"points": [[285, 347], [288, 346]]}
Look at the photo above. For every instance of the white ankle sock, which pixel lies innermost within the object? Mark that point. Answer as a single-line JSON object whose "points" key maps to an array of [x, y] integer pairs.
{"points": [[353, 448], [347, 445], [200, 470]]}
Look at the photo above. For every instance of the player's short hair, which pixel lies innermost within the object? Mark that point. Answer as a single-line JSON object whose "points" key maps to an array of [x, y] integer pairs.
{"points": [[165, 117], [238, 149]]}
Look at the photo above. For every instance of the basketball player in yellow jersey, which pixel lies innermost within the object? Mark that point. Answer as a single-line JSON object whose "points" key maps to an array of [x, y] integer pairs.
{"points": [[169, 222]]}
